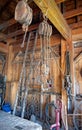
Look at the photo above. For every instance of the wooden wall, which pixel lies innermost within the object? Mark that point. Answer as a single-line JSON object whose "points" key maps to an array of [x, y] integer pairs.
{"points": [[78, 74], [13, 75]]}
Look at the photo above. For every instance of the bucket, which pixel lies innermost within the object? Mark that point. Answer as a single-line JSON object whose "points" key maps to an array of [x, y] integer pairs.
{"points": [[6, 107]]}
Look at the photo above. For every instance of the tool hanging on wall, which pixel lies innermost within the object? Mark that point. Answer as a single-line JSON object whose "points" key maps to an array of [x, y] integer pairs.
{"points": [[23, 14], [2, 80], [24, 81], [3, 60], [68, 83]]}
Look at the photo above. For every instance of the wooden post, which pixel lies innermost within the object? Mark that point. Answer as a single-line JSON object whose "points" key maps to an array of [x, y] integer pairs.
{"points": [[10, 67], [63, 91], [64, 47], [9, 74], [12, 78]]}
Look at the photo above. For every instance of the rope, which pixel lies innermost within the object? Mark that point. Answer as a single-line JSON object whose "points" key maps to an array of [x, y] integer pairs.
{"points": [[28, 79], [21, 75], [55, 54], [22, 45]]}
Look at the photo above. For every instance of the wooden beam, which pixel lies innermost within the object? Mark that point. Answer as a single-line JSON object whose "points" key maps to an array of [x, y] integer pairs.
{"points": [[77, 31], [2, 7], [19, 32], [10, 67], [9, 38], [3, 37], [78, 57], [59, 1], [52, 12], [3, 48], [67, 15], [77, 51], [78, 44], [8, 23], [73, 13], [34, 27], [76, 25], [55, 40], [63, 91], [77, 34], [64, 48]]}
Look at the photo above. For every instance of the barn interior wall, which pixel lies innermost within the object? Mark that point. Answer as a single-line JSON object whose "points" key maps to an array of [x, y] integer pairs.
{"points": [[78, 74], [13, 75]]}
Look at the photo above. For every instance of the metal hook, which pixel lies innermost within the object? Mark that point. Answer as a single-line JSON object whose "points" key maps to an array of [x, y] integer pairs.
{"points": [[45, 18]]}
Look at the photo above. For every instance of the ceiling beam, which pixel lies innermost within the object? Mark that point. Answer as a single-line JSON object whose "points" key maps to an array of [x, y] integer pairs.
{"points": [[77, 31], [77, 34], [8, 23], [20, 31], [4, 38], [4, 6], [33, 27], [3, 48], [77, 51], [52, 12], [67, 15], [78, 44], [73, 13], [76, 25], [55, 40]]}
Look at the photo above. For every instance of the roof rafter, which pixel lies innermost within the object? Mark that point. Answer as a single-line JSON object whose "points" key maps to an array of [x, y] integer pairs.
{"points": [[13, 21], [73, 13], [8, 23], [3, 48], [3, 37]]}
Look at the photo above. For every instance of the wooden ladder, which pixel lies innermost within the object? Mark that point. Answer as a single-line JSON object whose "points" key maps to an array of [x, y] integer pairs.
{"points": [[24, 81]]}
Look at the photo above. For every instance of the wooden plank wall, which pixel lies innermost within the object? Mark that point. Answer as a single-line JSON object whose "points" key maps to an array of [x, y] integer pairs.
{"points": [[13, 75], [78, 74]]}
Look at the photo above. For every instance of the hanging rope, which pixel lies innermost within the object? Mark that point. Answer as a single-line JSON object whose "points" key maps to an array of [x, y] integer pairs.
{"points": [[28, 78], [21, 75], [24, 38], [55, 55]]}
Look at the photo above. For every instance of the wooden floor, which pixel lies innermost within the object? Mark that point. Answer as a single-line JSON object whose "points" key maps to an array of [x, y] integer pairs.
{"points": [[10, 122]]}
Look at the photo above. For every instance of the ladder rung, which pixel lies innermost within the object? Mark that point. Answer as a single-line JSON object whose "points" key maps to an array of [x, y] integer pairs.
{"points": [[18, 107], [20, 96]]}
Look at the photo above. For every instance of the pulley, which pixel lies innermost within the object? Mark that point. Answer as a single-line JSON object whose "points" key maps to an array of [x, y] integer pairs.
{"points": [[45, 32], [23, 13], [45, 29]]}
